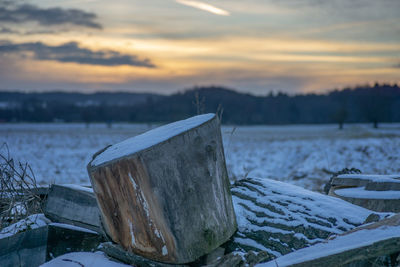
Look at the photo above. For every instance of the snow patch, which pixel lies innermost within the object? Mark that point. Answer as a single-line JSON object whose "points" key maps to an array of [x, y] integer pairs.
{"points": [[144, 204], [164, 250], [73, 227], [31, 222], [157, 233], [133, 182], [298, 154], [150, 138], [360, 192], [79, 187], [133, 240], [87, 259], [372, 177], [254, 244]]}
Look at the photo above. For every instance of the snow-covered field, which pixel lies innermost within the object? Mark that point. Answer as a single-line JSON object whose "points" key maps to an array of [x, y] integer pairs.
{"points": [[302, 155]]}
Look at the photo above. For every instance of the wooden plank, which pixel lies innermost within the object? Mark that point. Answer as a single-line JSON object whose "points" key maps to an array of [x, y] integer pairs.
{"points": [[34, 247], [73, 205], [24, 249], [65, 239]]}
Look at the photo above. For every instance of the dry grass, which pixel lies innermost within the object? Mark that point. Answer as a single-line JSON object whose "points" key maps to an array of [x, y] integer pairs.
{"points": [[18, 190]]}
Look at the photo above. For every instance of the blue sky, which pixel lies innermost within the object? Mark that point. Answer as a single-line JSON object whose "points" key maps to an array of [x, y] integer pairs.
{"points": [[163, 46]]}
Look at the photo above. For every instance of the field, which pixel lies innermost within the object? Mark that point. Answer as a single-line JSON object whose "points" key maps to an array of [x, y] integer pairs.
{"points": [[304, 155]]}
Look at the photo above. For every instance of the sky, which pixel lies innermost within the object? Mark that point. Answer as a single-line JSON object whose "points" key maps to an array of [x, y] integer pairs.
{"points": [[165, 46]]}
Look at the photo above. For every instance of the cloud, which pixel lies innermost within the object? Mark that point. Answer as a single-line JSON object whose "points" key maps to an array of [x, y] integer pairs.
{"points": [[204, 6], [47, 17], [71, 52], [4, 30]]}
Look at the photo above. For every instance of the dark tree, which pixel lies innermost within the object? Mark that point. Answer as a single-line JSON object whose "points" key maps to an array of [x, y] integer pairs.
{"points": [[340, 116]]}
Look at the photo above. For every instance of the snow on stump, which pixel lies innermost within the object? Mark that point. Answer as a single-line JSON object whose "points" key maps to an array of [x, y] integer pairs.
{"points": [[375, 192], [165, 194]]}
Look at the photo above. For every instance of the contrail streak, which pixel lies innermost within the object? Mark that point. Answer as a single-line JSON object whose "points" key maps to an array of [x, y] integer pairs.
{"points": [[204, 6]]}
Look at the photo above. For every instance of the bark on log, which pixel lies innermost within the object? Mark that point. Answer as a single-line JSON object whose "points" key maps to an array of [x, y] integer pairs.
{"points": [[165, 194]]}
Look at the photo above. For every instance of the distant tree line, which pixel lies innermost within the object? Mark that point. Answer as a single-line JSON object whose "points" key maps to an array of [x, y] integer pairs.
{"points": [[374, 104]]}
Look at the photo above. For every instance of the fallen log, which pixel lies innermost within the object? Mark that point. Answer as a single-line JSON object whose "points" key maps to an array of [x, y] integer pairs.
{"points": [[359, 245], [165, 194], [375, 192], [280, 218]]}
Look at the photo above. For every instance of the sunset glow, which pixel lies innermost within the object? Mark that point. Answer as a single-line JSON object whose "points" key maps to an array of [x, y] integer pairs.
{"points": [[164, 46]]}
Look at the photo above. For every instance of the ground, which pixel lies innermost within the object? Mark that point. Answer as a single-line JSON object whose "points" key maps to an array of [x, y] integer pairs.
{"points": [[303, 155]]}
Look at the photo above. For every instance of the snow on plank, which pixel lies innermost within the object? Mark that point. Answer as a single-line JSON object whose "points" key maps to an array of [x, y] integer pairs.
{"points": [[361, 192], [364, 179], [280, 218], [165, 194], [363, 243], [34, 240], [87, 259]]}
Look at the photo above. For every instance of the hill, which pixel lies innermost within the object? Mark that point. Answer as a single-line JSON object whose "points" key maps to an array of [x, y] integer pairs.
{"points": [[378, 103]]}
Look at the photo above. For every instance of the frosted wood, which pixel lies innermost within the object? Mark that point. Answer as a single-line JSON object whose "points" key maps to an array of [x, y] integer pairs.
{"points": [[357, 247], [73, 205], [148, 139], [375, 192], [171, 201]]}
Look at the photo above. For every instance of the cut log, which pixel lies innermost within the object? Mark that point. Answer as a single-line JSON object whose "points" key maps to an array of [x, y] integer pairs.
{"points": [[280, 218], [73, 204], [381, 201], [375, 192], [165, 194]]}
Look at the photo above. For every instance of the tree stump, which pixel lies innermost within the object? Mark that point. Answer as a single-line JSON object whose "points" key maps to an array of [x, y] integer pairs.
{"points": [[165, 194]]}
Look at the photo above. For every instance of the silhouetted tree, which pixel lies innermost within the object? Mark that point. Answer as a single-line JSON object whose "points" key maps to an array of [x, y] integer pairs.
{"points": [[376, 104], [340, 116]]}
